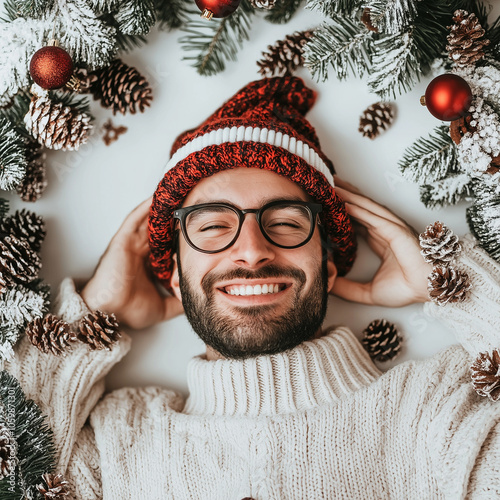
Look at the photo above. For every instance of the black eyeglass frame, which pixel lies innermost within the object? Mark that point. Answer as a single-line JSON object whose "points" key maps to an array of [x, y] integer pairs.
{"points": [[313, 209]]}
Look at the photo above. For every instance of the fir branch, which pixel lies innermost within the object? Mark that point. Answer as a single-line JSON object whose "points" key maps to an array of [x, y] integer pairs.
{"points": [[172, 14], [4, 208], [13, 161], [283, 11], [217, 41], [392, 16], [123, 42], [447, 191], [33, 8], [330, 8], [431, 159], [395, 67], [483, 218], [12, 11], [36, 452], [16, 111], [344, 44], [135, 18]]}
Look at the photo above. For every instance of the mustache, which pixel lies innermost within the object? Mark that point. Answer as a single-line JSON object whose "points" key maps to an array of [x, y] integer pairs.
{"points": [[269, 271]]}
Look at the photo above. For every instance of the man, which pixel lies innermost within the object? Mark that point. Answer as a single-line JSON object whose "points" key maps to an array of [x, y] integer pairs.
{"points": [[248, 230]]}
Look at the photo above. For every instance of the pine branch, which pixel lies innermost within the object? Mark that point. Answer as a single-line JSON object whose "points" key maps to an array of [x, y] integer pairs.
{"points": [[395, 66], [344, 44], [330, 8], [4, 208], [36, 452], [16, 111], [217, 41], [392, 16], [483, 218], [11, 10], [33, 8], [13, 162], [431, 159], [447, 191], [123, 42], [283, 11], [172, 14], [135, 18]]}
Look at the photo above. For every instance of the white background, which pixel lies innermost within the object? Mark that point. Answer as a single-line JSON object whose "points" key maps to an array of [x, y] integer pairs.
{"points": [[91, 191]]}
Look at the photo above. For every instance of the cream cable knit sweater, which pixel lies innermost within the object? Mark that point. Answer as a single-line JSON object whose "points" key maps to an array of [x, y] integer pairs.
{"points": [[317, 422]]}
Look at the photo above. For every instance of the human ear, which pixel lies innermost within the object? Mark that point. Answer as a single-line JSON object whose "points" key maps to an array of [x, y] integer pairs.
{"points": [[331, 272], [174, 280]]}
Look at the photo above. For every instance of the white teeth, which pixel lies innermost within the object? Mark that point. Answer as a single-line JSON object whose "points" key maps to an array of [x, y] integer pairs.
{"points": [[253, 290]]}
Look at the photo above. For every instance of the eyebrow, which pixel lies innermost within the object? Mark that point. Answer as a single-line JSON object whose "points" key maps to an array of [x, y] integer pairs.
{"points": [[262, 201]]}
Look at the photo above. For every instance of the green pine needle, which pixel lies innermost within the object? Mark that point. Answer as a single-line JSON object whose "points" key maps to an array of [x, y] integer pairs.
{"points": [[392, 16], [217, 41], [172, 14], [13, 161], [35, 448], [448, 191], [344, 44], [135, 17], [330, 8], [78, 103], [283, 11], [431, 159], [33, 8]]}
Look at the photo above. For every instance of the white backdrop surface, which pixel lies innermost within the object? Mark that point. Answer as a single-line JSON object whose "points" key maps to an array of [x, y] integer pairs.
{"points": [[91, 191]]}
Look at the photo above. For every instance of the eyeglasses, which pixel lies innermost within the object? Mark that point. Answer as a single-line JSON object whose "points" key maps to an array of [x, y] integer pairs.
{"points": [[214, 227]]}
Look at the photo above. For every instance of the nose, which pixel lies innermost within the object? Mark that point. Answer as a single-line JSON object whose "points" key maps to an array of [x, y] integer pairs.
{"points": [[251, 249]]}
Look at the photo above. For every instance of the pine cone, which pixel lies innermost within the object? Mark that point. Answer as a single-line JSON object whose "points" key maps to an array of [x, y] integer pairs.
{"points": [[85, 80], [27, 225], [375, 119], [285, 56], [367, 21], [382, 340], [99, 330], [465, 46], [35, 180], [8, 459], [19, 263], [439, 245], [50, 334], [485, 373], [459, 127], [55, 487], [263, 4], [121, 88], [446, 284], [56, 126]]}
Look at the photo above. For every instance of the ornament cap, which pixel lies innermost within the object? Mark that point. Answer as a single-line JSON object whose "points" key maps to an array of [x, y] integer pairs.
{"points": [[207, 14], [53, 43], [422, 100]]}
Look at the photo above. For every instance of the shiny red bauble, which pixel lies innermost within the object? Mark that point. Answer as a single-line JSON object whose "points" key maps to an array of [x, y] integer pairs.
{"points": [[448, 97], [217, 8], [51, 67]]}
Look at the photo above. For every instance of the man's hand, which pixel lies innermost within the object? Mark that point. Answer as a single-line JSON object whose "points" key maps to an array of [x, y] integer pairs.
{"points": [[121, 283], [401, 278]]}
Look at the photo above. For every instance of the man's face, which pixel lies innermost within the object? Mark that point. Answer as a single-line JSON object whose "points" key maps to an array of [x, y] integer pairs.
{"points": [[242, 326]]}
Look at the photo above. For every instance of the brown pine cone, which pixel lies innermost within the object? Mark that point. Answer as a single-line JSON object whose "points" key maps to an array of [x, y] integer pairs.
{"points": [[439, 245], [35, 180], [27, 225], [375, 119], [367, 21], [99, 330], [8, 459], [382, 340], [485, 374], [285, 56], [19, 263], [459, 127], [54, 488], [446, 284], [50, 334], [465, 46], [56, 126], [121, 88], [263, 4], [85, 80]]}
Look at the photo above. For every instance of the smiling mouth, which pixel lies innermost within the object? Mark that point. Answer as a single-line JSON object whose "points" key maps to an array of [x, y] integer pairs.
{"points": [[248, 290]]}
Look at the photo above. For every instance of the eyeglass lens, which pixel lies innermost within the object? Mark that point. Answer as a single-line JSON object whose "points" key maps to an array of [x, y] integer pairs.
{"points": [[213, 228]]}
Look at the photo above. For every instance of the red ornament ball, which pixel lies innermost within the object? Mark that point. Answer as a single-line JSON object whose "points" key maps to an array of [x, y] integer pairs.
{"points": [[448, 97], [51, 67], [217, 8]]}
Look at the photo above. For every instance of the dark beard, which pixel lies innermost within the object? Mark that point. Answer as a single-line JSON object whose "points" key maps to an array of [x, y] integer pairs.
{"points": [[256, 332]]}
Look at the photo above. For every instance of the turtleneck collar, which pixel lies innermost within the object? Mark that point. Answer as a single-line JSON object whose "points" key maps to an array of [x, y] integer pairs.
{"points": [[316, 372]]}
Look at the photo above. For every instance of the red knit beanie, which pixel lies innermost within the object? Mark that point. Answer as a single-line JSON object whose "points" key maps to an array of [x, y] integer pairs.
{"points": [[261, 126]]}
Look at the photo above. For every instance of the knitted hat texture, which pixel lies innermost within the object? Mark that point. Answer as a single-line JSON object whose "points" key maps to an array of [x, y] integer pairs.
{"points": [[261, 126]]}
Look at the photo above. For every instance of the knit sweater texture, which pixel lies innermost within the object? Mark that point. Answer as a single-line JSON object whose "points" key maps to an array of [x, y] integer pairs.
{"points": [[319, 421]]}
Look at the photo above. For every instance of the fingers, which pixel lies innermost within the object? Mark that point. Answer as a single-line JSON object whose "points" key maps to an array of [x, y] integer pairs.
{"points": [[352, 291], [137, 217]]}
